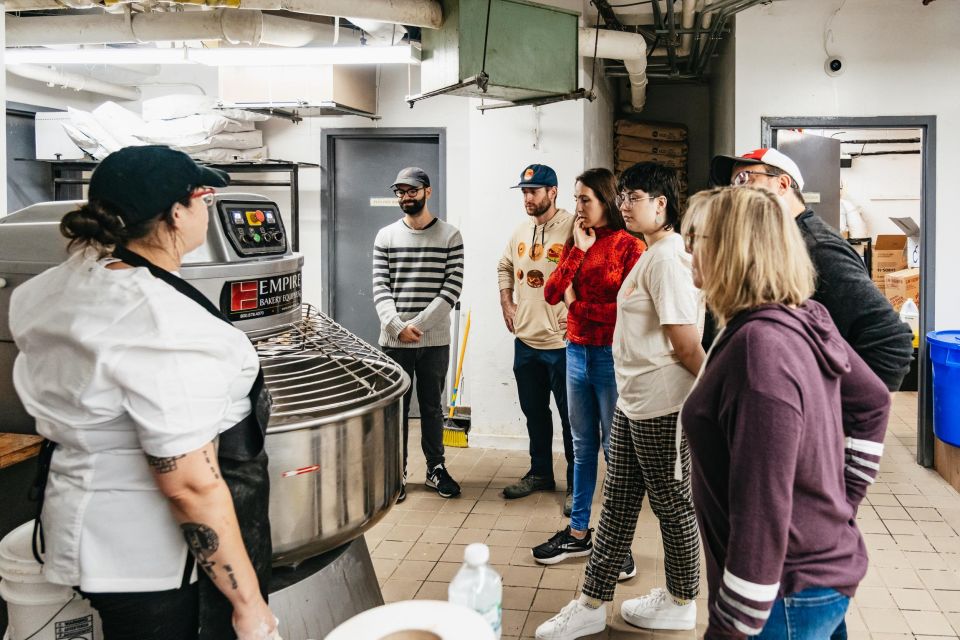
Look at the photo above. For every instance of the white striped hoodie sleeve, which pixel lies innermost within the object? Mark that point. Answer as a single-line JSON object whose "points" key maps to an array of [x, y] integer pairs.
{"points": [[440, 307], [865, 406], [765, 440]]}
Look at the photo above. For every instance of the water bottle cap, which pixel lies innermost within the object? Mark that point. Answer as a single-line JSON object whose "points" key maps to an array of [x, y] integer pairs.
{"points": [[476, 554]]}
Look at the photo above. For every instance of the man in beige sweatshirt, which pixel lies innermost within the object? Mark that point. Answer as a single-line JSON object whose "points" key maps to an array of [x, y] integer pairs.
{"points": [[539, 360]]}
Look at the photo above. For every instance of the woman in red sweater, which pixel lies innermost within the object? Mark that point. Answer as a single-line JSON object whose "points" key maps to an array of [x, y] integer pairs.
{"points": [[592, 267]]}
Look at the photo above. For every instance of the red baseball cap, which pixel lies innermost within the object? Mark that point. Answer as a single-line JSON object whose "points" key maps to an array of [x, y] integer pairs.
{"points": [[721, 168]]}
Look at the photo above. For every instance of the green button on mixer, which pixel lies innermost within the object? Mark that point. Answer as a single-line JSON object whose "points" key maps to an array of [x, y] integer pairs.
{"points": [[256, 237]]}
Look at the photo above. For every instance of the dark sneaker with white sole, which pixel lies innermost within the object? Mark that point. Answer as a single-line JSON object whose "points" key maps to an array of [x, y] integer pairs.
{"points": [[403, 489], [439, 479], [562, 546], [527, 485], [628, 570]]}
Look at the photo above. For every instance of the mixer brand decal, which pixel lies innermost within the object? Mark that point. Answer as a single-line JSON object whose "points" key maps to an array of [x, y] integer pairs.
{"points": [[75, 629], [260, 297]]}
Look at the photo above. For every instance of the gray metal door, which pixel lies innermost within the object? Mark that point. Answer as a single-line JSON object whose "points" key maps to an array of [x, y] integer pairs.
{"points": [[819, 161], [361, 165]]}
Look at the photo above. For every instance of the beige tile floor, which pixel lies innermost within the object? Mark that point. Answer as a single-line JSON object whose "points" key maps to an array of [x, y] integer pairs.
{"points": [[910, 520]]}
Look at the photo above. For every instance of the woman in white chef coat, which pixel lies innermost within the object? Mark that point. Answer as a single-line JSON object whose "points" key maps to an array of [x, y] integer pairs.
{"points": [[155, 408]]}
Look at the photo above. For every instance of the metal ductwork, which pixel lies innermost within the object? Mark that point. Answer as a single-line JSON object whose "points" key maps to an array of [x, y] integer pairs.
{"points": [[74, 81], [417, 13], [620, 45], [236, 27]]}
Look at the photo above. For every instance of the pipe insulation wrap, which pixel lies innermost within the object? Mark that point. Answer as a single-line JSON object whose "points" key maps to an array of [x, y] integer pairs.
{"points": [[74, 81], [231, 25], [620, 45]]}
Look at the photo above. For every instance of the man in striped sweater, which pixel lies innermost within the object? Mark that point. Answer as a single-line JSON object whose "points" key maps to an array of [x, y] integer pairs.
{"points": [[417, 278]]}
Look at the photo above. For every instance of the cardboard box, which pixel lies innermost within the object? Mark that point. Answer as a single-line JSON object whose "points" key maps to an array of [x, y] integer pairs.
{"points": [[912, 231], [889, 255], [900, 285]]}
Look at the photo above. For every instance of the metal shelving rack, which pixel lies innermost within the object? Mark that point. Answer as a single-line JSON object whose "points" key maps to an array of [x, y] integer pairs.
{"points": [[65, 176]]}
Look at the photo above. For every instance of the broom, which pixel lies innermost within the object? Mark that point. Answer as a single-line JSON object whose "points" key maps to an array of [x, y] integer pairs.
{"points": [[455, 435]]}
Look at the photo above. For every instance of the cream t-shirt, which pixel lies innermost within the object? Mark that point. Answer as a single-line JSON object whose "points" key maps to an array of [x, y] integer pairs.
{"points": [[658, 290]]}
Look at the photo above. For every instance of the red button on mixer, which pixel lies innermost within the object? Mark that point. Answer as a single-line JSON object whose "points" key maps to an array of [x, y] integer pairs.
{"points": [[260, 216]]}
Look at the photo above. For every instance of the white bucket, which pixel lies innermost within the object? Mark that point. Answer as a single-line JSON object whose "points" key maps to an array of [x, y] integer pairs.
{"points": [[37, 609]]}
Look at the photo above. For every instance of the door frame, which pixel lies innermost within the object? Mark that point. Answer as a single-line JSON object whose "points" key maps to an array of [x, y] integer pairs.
{"points": [[928, 226], [328, 213]]}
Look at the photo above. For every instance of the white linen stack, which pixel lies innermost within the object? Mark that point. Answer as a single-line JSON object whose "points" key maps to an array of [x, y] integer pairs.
{"points": [[189, 123]]}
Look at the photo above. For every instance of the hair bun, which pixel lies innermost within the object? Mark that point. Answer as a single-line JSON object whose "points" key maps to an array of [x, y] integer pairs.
{"points": [[92, 224]]}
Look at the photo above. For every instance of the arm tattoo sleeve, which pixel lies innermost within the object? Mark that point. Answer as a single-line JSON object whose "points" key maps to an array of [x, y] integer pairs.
{"points": [[203, 542], [164, 465]]}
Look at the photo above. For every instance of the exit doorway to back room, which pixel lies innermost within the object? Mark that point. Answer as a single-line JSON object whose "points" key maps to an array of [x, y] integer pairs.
{"points": [[873, 179]]}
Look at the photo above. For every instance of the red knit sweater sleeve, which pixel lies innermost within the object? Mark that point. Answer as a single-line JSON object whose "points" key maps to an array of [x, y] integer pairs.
{"points": [[633, 251], [562, 277]]}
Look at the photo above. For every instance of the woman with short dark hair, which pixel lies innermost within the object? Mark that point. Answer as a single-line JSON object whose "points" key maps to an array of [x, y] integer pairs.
{"points": [[591, 269], [656, 354]]}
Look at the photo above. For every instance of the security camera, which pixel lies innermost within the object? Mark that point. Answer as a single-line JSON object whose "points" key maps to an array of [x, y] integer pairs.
{"points": [[834, 66]]}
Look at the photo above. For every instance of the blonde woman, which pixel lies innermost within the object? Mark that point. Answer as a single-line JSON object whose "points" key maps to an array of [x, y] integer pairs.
{"points": [[780, 397]]}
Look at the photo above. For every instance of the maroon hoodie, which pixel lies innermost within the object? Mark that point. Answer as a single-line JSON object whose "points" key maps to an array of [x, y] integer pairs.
{"points": [[786, 430]]}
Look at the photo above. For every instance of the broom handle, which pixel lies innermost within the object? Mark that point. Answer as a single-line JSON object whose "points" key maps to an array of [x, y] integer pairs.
{"points": [[463, 351]]}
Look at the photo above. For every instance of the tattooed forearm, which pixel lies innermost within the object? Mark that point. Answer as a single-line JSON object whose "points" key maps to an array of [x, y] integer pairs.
{"points": [[203, 542], [231, 576], [163, 465], [213, 469]]}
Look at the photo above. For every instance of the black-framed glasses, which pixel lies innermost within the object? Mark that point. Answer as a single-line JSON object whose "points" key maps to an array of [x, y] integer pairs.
{"points": [[628, 200], [403, 193], [689, 240], [744, 177]]}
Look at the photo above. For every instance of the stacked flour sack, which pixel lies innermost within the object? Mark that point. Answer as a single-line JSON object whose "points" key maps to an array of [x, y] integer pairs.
{"points": [[189, 123]]}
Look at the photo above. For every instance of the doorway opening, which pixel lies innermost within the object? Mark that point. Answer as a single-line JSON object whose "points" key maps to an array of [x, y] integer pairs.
{"points": [[872, 169]]}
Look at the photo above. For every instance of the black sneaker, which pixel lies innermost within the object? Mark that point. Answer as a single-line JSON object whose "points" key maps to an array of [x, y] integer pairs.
{"points": [[403, 488], [629, 568], [562, 546], [568, 503], [527, 485], [440, 480]]}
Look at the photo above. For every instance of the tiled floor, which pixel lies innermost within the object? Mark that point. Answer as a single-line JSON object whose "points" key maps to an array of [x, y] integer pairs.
{"points": [[910, 520]]}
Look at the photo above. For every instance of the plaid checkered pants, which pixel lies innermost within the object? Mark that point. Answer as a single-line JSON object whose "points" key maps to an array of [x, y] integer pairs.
{"points": [[642, 457]]}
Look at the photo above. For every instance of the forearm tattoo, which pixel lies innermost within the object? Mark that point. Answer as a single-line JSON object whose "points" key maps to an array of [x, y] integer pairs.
{"points": [[164, 465], [231, 576], [203, 542], [213, 469]]}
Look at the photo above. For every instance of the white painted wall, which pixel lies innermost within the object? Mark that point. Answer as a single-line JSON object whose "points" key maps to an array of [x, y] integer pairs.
{"points": [[901, 59]]}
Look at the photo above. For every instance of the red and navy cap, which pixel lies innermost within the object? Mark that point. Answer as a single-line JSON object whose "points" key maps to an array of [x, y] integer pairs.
{"points": [[721, 168]]}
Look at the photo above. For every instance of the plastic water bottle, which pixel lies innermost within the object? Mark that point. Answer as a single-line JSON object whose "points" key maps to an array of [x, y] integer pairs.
{"points": [[477, 586], [910, 314]]}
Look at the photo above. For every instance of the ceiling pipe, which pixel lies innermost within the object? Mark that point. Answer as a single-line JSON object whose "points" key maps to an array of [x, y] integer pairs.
{"points": [[417, 13], [383, 32], [74, 81], [688, 12], [620, 45], [236, 27]]}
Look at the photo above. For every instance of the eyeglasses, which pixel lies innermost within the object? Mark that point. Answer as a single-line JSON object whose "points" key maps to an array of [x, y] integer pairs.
{"points": [[403, 193], [628, 200], [689, 239], [206, 193], [744, 177]]}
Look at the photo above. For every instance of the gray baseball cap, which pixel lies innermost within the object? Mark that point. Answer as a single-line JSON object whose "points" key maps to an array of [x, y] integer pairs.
{"points": [[413, 176]]}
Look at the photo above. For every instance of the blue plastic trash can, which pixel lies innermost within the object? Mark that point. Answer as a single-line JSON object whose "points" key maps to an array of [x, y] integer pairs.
{"points": [[945, 355]]}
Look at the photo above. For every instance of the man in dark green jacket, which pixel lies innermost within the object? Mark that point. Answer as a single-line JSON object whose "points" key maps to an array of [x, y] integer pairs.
{"points": [[865, 318]]}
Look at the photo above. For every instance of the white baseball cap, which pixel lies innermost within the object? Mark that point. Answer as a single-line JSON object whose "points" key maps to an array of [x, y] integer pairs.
{"points": [[721, 168]]}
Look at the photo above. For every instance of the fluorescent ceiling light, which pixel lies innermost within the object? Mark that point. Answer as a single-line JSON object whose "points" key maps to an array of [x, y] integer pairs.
{"points": [[220, 57]]}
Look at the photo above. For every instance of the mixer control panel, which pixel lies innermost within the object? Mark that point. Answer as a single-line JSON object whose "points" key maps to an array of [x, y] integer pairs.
{"points": [[254, 228]]}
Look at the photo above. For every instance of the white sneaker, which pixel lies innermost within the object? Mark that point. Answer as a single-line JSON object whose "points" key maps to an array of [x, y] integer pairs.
{"points": [[574, 621], [658, 611]]}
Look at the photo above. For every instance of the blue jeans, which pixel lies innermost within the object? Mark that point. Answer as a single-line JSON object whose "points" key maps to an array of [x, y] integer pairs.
{"points": [[591, 401], [540, 372], [812, 614]]}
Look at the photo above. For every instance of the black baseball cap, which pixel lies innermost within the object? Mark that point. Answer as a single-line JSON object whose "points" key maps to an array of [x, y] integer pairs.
{"points": [[413, 176], [142, 182], [537, 175]]}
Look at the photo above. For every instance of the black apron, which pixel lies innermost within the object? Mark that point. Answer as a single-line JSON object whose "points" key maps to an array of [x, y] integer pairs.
{"points": [[243, 466]]}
